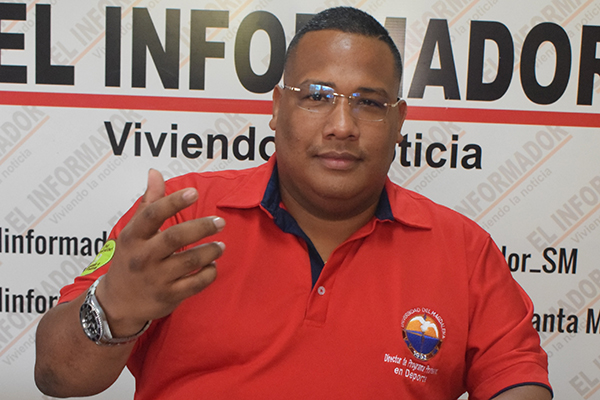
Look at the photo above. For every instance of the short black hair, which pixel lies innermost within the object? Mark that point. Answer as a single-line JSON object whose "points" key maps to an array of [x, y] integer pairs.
{"points": [[348, 20]]}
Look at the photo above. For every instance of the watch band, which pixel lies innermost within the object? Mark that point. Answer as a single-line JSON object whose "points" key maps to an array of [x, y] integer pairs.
{"points": [[94, 322]]}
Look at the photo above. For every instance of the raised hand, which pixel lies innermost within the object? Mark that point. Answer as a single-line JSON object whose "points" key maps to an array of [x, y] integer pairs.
{"points": [[149, 275]]}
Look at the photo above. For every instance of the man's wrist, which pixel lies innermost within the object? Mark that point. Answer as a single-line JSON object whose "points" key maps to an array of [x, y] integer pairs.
{"points": [[95, 323]]}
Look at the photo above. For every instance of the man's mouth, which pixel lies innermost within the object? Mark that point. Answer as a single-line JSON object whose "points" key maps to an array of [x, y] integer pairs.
{"points": [[338, 160]]}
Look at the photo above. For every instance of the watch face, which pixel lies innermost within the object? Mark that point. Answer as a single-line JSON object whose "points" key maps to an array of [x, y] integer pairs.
{"points": [[90, 322]]}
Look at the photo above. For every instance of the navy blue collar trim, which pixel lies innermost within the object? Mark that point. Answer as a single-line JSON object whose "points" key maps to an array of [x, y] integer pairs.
{"points": [[288, 224], [384, 209], [271, 202]]}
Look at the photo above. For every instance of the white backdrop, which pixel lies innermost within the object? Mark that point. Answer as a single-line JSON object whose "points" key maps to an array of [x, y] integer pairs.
{"points": [[507, 93]]}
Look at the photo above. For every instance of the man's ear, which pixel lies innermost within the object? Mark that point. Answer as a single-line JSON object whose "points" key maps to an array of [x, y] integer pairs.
{"points": [[402, 110], [276, 98]]}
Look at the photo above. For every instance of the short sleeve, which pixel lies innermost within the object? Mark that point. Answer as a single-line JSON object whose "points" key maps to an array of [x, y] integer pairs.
{"points": [[503, 348], [84, 281]]}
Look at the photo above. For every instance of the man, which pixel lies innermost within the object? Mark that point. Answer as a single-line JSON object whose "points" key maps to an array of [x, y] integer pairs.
{"points": [[335, 283]]}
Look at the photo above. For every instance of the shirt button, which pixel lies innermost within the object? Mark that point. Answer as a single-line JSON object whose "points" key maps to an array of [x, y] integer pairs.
{"points": [[321, 290]]}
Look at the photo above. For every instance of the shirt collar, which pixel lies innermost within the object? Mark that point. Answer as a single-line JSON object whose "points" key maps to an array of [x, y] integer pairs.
{"points": [[261, 188], [409, 208]]}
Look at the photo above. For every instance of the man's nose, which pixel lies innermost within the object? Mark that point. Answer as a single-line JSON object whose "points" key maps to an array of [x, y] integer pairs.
{"points": [[341, 123]]}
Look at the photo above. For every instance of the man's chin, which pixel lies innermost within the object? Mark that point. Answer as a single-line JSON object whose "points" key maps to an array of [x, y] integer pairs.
{"points": [[341, 193]]}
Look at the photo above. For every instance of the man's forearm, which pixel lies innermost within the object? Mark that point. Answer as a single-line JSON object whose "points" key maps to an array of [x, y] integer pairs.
{"points": [[528, 392], [67, 362], [147, 279]]}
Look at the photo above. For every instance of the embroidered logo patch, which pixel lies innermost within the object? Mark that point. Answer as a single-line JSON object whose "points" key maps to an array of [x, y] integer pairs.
{"points": [[423, 331], [102, 258]]}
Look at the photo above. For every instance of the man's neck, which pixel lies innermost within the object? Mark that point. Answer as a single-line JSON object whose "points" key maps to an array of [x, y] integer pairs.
{"points": [[326, 233]]}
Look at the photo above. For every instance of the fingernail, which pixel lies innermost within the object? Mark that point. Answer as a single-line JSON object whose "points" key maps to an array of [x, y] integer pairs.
{"points": [[221, 245], [189, 195], [219, 222]]}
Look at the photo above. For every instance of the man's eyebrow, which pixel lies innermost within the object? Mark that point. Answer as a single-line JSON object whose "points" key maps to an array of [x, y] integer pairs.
{"points": [[316, 82], [377, 90]]}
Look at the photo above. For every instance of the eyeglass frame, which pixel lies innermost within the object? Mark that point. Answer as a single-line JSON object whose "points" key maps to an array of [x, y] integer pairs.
{"points": [[347, 97]]}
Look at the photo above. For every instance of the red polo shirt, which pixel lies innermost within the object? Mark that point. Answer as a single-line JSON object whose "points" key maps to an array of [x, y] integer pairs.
{"points": [[417, 304]]}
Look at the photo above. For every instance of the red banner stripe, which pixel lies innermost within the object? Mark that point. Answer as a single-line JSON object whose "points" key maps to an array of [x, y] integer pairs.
{"points": [[517, 117], [238, 106], [129, 102]]}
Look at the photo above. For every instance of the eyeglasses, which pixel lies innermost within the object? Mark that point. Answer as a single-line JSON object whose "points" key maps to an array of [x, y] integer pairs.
{"points": [[370, 106]]}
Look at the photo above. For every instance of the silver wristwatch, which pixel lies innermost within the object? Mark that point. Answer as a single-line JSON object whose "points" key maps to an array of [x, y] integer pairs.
{"points": [[94, 323]]}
